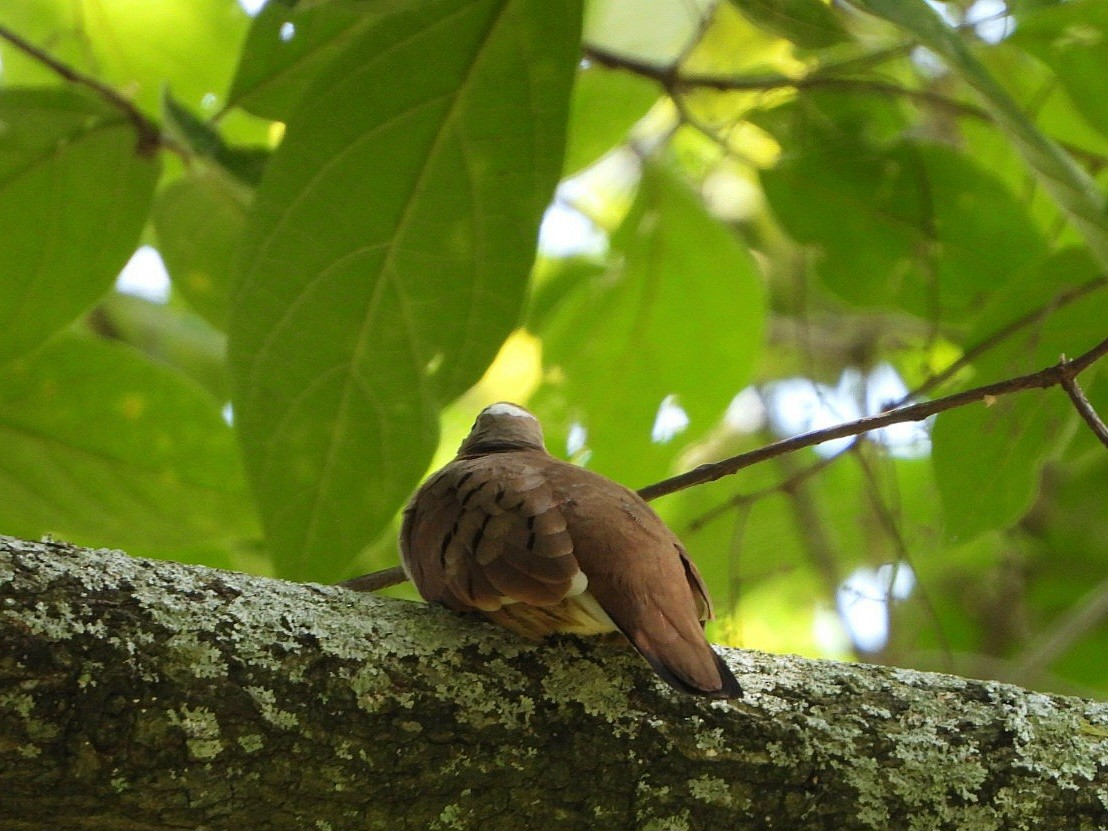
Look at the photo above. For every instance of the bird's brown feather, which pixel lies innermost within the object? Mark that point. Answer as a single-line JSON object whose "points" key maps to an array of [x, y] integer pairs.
{"points": [[508, 530]]}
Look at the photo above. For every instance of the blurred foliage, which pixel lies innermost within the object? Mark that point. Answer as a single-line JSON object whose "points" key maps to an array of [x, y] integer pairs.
{"points": [[766, 217]]}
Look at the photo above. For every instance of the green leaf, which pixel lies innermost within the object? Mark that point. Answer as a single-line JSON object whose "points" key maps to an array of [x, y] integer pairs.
{"points": [[104, 447], [606, 105], [810, 24], [199, 220], [287, 48], [202, 138], [681, 313], [552, 280], [918, 226], [988, 458], [133, 45], [1074, 191], [386, 259], [1069, 329], [1072, 39], [170, 334], [1078, 498], [74, 193]]}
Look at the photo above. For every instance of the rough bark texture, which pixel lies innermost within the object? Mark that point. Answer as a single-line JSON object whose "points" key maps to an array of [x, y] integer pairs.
{"points": [[150, 695]]}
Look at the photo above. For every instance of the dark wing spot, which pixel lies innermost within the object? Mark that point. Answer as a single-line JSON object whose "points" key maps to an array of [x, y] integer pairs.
{"points": [[446, 544], [479, 535]]}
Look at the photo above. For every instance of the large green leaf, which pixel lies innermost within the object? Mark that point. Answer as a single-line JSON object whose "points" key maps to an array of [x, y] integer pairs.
{"points": [[1072, 39], [134, 45], [74, 193], [104, 447], [171, 334], [920, 226], [681, 313], [606, 104], [386, 259], [1068, 328], [290, 44], [988, 457], [1074, 191], [287, 47], [199, 220]]}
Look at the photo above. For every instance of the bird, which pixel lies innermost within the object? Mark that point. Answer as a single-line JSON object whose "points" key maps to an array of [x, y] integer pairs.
{"points": [[541, 546]]}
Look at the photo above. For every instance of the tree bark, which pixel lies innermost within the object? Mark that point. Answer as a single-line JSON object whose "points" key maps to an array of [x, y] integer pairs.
{"points": [[138, 694]]}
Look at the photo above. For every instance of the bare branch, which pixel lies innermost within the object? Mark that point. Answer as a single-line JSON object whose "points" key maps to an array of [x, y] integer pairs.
{"points": [[784, 486], [377, 580], [673, 81], [1049, 377], [1002, 334], [1084, 408], [671, 78]]}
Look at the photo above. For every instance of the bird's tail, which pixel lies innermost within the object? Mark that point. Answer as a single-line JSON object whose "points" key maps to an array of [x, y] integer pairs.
{"points": [[690, 667]]}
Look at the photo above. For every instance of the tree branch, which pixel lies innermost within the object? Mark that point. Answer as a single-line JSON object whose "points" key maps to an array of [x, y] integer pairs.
{"points": [[1002, 334], [139, 694], [150, 137], [673, 80], [376, 580], [1051, 376], [1084, 408]]}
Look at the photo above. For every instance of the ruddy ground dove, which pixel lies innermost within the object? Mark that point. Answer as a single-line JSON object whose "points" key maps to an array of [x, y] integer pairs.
{"points": [[542, 546]]}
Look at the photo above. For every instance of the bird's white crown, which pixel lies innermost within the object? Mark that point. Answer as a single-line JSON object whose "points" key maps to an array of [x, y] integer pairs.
{"points": [[505, 408]]}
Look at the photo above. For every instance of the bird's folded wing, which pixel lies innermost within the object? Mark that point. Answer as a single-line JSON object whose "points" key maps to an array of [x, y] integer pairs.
{"points": [[488, 531]]}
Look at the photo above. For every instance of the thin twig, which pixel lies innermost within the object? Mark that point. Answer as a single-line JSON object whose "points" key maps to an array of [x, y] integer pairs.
{"points": [[1049, 377], [672, 80], [1000, 335], [740, 499], [150, 137], [811, 529], [1084, 408], [891, 525], [376, 580], [670, 77]]}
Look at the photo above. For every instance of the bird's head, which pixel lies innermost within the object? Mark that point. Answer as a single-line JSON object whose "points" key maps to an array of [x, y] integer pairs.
{"points": [[503, 427]]}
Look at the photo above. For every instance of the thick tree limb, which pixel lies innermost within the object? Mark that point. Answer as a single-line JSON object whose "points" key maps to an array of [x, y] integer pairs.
{"points": [[137, 694]]}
